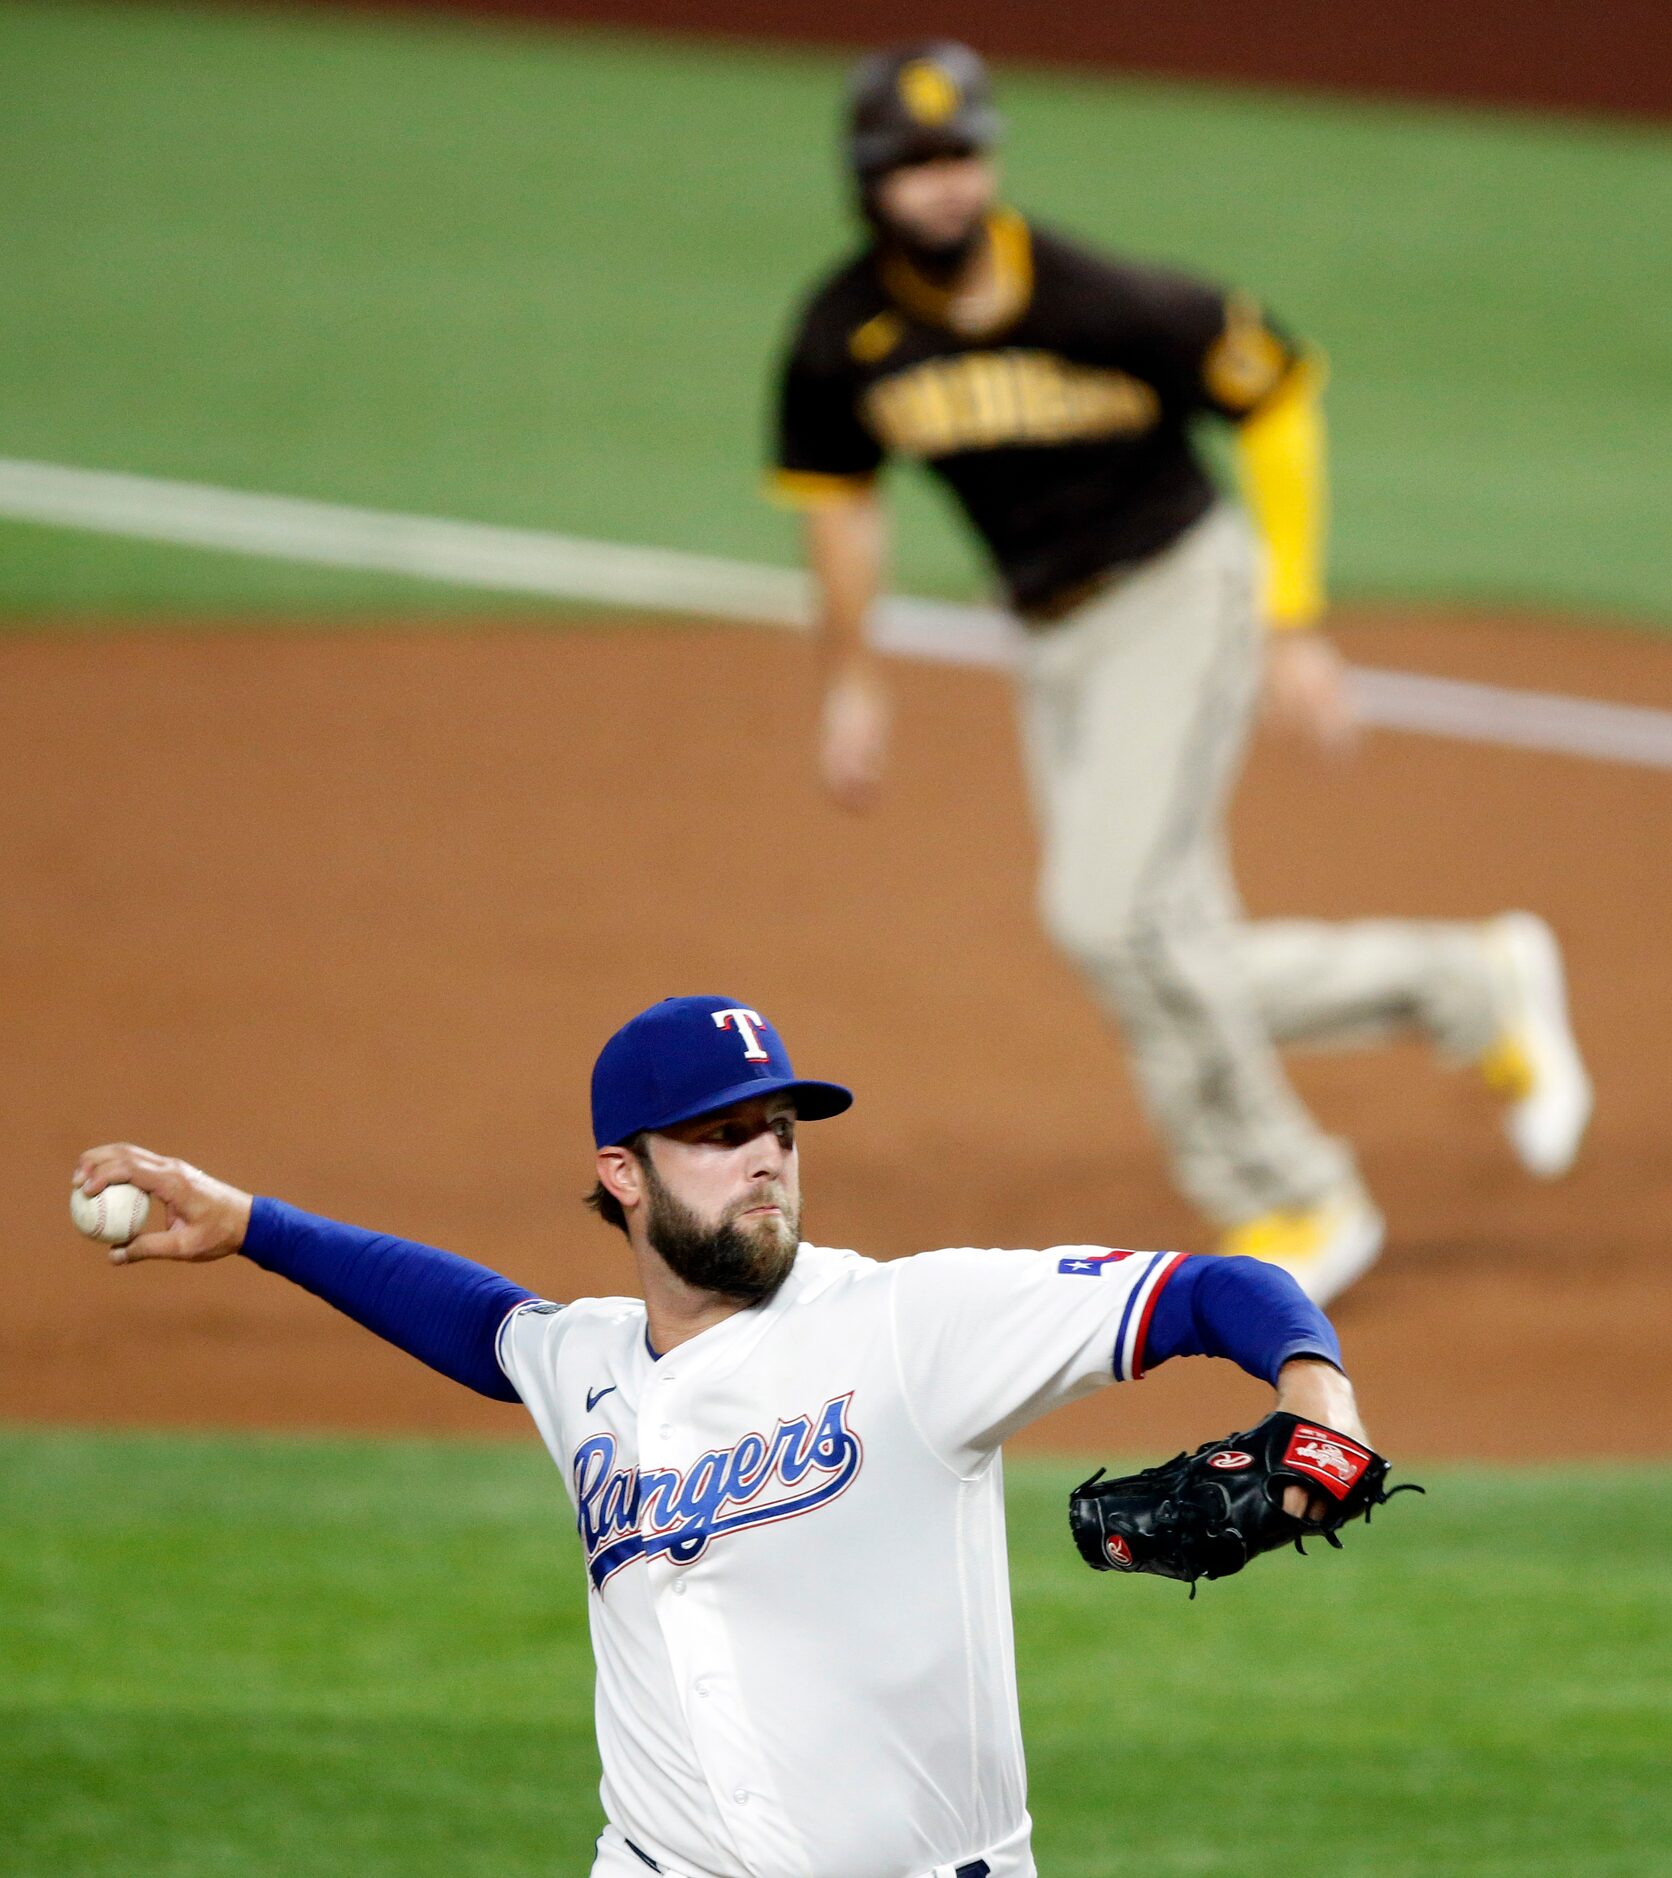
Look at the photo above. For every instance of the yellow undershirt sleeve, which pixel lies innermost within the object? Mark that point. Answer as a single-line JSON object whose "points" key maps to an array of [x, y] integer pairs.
{"points": [[1280, 457], [813, 489]]}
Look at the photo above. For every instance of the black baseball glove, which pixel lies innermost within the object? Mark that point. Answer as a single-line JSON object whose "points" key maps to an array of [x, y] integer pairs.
{"points": [[1205, 1515]]}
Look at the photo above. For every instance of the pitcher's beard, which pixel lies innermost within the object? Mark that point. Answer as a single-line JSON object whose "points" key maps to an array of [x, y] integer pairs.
{"points": [[744, 1263]]}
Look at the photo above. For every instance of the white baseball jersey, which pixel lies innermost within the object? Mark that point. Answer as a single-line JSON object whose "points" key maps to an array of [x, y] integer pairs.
{"points": [[794, 1528]]}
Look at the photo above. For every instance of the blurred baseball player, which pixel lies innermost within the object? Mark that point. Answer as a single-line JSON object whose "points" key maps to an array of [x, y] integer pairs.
{"points": [[1054, 390], [785, 1460]]}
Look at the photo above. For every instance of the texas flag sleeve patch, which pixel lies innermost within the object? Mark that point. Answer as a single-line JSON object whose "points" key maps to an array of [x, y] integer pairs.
{"points": [[1090, 1264]]}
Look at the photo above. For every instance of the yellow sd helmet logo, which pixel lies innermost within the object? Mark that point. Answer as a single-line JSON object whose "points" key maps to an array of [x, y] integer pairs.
{"points": [[928, 93]]}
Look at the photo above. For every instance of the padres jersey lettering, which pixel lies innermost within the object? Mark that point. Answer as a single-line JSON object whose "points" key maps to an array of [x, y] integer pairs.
{"points": [[1062, 429], [984, 399], [778, 1693]]}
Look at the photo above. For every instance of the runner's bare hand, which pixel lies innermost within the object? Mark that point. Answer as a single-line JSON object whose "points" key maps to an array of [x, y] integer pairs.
{"points": [[853, 743], [1308, 689], [206, 1219]]}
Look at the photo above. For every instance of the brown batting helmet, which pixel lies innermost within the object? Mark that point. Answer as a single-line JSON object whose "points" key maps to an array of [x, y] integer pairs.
{"points": [[913, 103]]}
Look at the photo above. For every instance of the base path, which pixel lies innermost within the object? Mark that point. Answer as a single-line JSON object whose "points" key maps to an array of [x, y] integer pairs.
{"points": [[345, 916]]}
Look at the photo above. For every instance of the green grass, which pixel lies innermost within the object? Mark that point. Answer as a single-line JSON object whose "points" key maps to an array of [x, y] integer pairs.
{"points": [[537, 278], [272, 1656]]}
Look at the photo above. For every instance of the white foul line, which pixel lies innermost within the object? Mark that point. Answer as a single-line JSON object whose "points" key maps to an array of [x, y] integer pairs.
{"points": [[568, 567], [467, 554]]}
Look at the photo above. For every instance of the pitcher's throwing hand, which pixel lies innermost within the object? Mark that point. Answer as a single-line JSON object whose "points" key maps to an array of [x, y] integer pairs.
{"points": [[205, 1218]]}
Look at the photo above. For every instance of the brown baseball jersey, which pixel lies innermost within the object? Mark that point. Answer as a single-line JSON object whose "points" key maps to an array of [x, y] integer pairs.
{"points": [[1062, 426]]}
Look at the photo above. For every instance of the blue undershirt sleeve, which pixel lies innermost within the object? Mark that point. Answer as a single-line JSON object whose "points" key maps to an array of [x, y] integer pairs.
{"points": [[1253, 1313], [440, 1308]]}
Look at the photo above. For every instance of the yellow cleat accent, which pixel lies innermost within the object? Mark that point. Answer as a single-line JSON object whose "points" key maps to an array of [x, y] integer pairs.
{"points": [[1324, 1248], [1507, 1070], [1278, 1235], [1535, 1066]]}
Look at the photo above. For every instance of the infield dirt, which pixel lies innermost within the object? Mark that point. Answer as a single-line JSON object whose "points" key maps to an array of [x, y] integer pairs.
{"points": [[345, 916]]}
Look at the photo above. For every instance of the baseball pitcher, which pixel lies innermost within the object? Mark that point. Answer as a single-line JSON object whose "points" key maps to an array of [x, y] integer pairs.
{"points": [[1055, 392], [785, 1459]]}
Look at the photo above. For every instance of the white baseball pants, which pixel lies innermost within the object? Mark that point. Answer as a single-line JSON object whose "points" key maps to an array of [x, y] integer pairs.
{"points": [[1135, 713]]}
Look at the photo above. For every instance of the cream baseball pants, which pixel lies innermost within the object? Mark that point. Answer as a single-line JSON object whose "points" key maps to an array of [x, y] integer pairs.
{"points": [[1135, 715]]}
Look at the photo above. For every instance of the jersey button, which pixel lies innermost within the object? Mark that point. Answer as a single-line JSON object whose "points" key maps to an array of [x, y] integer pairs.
{"points": [[741, 1796], [679, 1588], [666, 1431]]}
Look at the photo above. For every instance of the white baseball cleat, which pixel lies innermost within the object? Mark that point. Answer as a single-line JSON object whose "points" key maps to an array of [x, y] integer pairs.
{"points": [[1535, 1064], [1324, 1247]]}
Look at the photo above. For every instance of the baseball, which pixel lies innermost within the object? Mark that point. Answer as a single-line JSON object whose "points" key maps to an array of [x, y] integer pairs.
{"points": [[113, 1216]]}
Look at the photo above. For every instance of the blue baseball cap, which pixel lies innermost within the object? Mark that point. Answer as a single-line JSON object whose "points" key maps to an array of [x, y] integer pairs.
{"points": [[687, 1057]]}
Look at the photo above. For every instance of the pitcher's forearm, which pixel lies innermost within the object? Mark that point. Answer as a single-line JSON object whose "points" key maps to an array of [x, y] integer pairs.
{"points": [[1250, 1313], [438, 1307]]}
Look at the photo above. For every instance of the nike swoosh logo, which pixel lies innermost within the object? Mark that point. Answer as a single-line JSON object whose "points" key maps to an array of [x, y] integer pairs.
{"points": [[595, 1396]]}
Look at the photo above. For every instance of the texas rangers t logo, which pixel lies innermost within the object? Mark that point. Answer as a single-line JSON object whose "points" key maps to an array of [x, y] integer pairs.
{"points": [[748, 1024]]}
